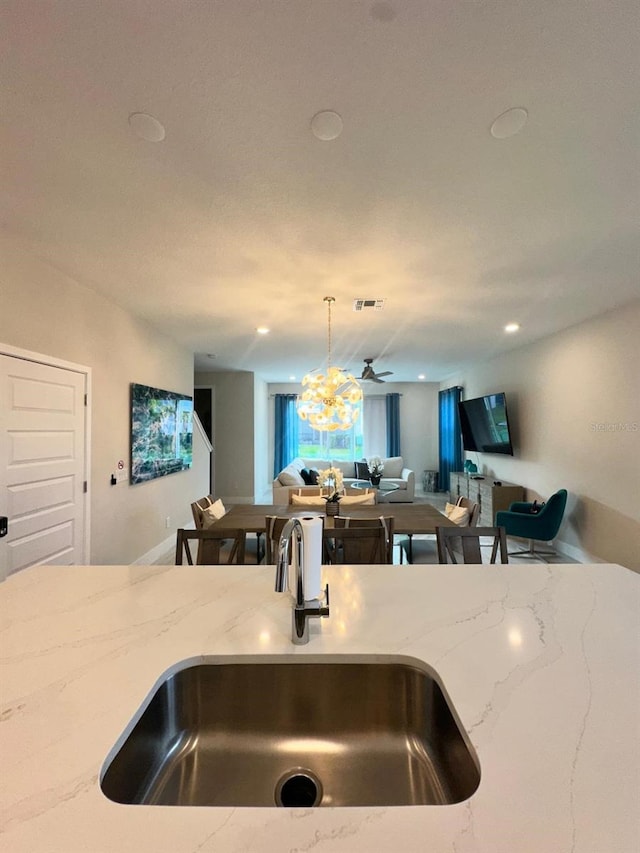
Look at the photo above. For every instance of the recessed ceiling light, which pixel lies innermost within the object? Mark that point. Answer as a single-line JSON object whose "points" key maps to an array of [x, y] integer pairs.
{"points": [[510, 328], [262, 330], [326, 125], [509, 123], [292, 379], [421, 376], [146, 127]]}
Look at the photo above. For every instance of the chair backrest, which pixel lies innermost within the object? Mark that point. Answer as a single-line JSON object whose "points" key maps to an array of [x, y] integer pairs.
{"points": [[353, 492], [386, 522], [273, 527], [198, 506], [468, 538], [216, 546], [550, 516], [355, 545], [307, 492], [364, 497], [474, 510]]}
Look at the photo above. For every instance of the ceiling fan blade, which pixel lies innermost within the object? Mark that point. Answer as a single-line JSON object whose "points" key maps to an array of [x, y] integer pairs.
{"points": [[375, 378], [385, 373]]}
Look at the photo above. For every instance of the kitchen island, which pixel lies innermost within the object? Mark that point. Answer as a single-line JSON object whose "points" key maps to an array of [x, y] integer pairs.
{"points": [[542, 664]]}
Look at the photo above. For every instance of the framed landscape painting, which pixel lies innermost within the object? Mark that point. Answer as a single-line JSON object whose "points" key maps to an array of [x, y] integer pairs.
{"points": [[161, 433]]}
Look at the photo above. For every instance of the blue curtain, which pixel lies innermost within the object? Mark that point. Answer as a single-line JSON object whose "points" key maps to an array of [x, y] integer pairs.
{"points": [[450, 435], [393, 424], [286, 431]]}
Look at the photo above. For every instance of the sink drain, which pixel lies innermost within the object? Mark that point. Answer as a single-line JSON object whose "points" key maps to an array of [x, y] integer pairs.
{"points": [[298, 788]]}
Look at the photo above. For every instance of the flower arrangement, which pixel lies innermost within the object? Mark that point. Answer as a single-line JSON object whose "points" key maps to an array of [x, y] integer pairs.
{"points": [[331, 479], [376, 466]]}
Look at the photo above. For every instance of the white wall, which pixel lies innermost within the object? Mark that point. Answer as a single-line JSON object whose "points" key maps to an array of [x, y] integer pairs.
{"points": [[45, 311], [574, 405], [418, 421]]}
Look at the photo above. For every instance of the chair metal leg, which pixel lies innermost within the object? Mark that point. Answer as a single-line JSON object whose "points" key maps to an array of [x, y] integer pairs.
{"points": [[533, 553]]}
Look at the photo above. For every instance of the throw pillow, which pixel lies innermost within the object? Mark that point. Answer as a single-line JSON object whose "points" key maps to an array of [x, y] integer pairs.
{"points": [[290, 476], [310, 476], [362, 471], [212, 513], [358, 500], [393, 467], [458, 514]]}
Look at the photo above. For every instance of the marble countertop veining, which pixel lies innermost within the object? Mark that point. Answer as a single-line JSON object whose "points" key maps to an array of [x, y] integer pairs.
{"points": [[542, 664]]}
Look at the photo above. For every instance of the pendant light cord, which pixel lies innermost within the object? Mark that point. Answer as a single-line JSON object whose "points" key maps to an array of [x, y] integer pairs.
{"points": [[329, 300]]}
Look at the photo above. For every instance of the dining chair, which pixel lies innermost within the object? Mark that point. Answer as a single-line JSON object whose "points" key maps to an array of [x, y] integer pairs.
{"points": [[274, 525], [386, 522], [425, 551], [253, 548], [307, 492], [352, 492], [314, 501], [468, 539], [197, 508], [355, 545], [217, 546]]}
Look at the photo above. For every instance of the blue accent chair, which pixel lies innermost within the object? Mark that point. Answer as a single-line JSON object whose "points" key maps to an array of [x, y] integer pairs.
{"points": [[542, 526]]}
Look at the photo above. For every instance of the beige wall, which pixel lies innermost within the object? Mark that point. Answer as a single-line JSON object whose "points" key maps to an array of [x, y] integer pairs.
{"points": [[46, 312], [261, 439], [234, 433], [574, 404]]}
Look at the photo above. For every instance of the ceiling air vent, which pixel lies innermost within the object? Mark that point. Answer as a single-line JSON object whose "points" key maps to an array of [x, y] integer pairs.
{"points": [[368, 304]]}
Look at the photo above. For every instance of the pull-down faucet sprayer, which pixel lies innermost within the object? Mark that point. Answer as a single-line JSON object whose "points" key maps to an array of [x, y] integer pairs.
{"points": [[302, 610]]}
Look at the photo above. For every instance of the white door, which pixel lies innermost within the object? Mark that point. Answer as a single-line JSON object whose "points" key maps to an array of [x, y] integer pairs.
{"points": [[42, 464]]}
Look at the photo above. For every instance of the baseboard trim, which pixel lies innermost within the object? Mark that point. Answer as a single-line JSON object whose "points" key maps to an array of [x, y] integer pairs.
{"points": [[575, 553], [150, 558]]}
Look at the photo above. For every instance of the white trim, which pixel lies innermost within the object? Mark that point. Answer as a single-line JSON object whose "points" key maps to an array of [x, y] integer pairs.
{"points": [[40, 358], [203, 434], [159, 550], [576, 553], [27, 355]]}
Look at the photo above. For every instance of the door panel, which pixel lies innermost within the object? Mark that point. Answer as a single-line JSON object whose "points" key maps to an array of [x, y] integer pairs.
{"points": [[52, 545], [42, 464]]}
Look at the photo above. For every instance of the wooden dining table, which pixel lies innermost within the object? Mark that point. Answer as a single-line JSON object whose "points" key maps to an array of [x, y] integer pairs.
{"points": [[409, 519]]}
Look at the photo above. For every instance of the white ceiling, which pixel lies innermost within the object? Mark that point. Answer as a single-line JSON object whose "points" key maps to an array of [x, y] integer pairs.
{"points": [[242, 217]]}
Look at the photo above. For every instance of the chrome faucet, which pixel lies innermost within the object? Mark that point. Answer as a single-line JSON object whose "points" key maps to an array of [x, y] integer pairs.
{"points": [[302, 610]]}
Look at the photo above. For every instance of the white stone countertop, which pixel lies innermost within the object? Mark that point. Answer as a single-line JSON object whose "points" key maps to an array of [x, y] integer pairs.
{"points": [[542, 664]]}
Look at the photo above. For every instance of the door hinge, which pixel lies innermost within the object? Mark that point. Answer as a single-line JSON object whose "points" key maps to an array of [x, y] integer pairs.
{"points": [[84, 487], [85, 399]]}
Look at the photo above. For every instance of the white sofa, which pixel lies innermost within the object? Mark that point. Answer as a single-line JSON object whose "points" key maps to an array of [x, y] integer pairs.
{"points": [[394, 472]]}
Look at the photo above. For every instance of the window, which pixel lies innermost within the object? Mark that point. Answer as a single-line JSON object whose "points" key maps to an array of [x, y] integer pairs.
{"points": [[339, 445]]}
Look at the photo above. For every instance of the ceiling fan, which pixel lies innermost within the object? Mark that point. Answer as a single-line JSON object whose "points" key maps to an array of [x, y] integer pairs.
{"points": [[369, 374]]}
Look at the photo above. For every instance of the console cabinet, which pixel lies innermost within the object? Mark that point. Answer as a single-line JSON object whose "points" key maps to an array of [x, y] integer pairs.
{"points": [[491, 498]]}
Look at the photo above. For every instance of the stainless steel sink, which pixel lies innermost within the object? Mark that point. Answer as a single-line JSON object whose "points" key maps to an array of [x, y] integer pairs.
{"points": [[295, 731]]}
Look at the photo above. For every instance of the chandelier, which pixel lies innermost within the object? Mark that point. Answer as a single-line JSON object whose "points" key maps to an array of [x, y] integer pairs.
{"points": [[331, 400]]}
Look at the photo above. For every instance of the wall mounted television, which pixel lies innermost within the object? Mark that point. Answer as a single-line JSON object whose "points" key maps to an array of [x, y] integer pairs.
{"points": [[161, 433], [485, 424]]}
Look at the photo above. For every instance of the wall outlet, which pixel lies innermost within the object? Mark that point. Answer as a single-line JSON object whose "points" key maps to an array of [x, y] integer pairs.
{"points": [[167, 522]]}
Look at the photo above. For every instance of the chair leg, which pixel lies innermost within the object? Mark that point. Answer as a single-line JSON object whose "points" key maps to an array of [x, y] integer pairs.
{"points": [[533, 553]]}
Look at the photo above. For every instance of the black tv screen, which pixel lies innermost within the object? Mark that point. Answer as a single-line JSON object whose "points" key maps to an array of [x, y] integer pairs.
{"points": [[485, 424], [161, 432]]}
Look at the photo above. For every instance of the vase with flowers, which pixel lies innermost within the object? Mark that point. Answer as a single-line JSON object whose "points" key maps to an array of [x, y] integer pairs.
{"points": [[331, 481], [376, 467]]}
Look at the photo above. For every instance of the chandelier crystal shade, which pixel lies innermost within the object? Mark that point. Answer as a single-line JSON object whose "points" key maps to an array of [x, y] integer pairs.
{"points": [[331, 399]]}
